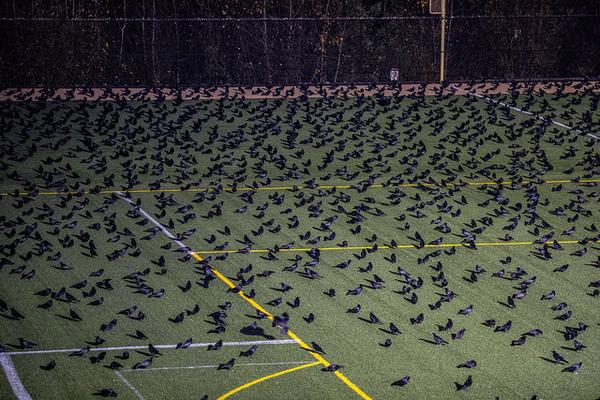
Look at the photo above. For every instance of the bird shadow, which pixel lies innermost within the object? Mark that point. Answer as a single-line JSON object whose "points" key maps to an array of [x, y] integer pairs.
{"points": [[9, 317], [428, 341], [145, 354], [253, 316], [135, 337], [368, 321], [549, 360], [568, 348], [256, 332], [504, 304], [67, 318]]}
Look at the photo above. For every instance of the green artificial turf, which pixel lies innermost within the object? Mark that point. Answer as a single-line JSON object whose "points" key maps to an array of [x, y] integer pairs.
{"points": [[120, 146]]}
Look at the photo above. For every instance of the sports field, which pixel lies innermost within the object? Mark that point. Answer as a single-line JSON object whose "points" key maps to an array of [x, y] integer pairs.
{"points": [[311, 247]]}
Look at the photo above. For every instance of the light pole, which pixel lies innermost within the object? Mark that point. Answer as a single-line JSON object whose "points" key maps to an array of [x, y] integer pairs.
{"points": [[443, 43], [438, 7]]}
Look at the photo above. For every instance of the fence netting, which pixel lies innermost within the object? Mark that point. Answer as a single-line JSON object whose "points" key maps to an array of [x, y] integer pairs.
{"points": [[57, 52]]}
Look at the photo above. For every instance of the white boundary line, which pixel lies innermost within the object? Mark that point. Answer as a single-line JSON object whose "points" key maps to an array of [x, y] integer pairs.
{"points": [[13, 378], [158, 346], [129, 385], [215, 366], [541, 117], [155, 222]]}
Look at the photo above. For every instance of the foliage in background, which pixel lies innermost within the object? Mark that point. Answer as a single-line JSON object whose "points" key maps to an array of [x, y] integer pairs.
{"points": [[77, 42]]}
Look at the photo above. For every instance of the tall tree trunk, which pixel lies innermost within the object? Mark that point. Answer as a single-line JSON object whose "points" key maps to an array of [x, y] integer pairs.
{"points": [[288, 44], [122, 32], [176, 44], [265, 43], [144, 36], [339, 57], [154, 68]]}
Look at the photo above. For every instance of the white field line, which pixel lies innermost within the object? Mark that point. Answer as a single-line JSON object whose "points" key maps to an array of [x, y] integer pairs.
{"points": [[158, 346], [215, 366], [541, 117], [155, 222], [130, 386], [13, 378]]}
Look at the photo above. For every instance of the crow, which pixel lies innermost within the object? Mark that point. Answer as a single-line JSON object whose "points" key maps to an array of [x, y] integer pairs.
{"points": [[402, 381], [465, 385], [558, 358], [573, 368], [51, 365], [144, 364], [438, 339], [228, 365], [504, 328], [467, 364]]}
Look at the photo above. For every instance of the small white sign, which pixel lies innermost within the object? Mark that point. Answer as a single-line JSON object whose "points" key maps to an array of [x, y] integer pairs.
{"points": [[394, 74]]}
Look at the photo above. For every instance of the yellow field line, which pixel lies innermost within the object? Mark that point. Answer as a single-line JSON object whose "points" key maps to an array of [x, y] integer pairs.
{"points": [[291, 335], [248, 189], [264, 378], [400, 246]]}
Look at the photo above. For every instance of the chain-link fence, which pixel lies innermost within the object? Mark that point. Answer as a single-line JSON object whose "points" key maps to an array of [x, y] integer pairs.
{"points": [[55, 52]]}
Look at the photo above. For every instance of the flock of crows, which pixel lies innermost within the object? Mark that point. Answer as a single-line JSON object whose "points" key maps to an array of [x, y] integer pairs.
{"points": [[87, 149]]}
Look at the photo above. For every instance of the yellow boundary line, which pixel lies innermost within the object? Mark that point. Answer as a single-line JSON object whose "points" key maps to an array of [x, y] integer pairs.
{"points": [[320, 359], [264, 378], [400, 246], [294, 187]]}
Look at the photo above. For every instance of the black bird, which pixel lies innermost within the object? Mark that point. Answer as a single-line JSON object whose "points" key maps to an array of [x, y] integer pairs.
{"points": [[216, 346], [558, 357], [394, 329], [373, 318], [573, 368], [331, 367], [402, 381], [438, 339], [228, 365], [578, 345], [114, 366], [465, 385], [504, 328], [48, 366], [449, 324], [184, 345], [467, 364], [249, 352], [466, 311], [309, 318], [519, 342], [144, 364], [419, 318], [316, 348], [458, 335], [354, 310], [110, 392]]}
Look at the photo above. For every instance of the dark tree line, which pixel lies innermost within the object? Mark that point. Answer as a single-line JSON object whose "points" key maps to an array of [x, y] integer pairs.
{"points": [[251, 42]]}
